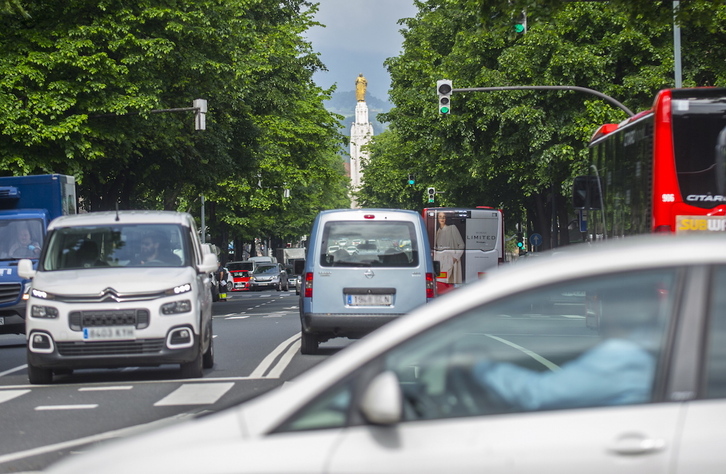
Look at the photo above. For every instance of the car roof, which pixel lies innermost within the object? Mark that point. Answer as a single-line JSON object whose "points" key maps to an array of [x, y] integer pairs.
{"points": [[121, 217], [633, 253]]}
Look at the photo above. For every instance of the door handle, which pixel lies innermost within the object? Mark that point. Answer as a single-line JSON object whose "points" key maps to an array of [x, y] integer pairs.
{"points": [[630, 444]]}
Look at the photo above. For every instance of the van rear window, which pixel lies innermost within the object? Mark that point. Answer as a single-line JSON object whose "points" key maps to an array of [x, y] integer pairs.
{"points": [[369, 244]]}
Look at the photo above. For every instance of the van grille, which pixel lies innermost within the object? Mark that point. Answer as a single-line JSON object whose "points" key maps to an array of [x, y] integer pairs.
{"points": [[102, 348], [9, 292]]}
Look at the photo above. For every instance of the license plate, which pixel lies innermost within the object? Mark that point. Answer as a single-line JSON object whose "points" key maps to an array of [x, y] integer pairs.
{"points": [[370, 300], [110, 333], [2, 320]]}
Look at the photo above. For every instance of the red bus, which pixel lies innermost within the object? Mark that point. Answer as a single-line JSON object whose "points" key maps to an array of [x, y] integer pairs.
{"points": [[662, 170], [465, 242]]}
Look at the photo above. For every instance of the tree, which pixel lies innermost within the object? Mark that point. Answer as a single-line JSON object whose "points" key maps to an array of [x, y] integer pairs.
{"points": [[519, 150], [81, 80]]}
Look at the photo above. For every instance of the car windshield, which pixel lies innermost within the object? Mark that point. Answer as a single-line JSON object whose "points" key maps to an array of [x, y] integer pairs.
{"points": [[20, 238], [266, 270], [116, 246]]}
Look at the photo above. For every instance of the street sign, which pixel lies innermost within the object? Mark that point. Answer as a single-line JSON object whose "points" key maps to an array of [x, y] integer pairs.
{"points": [[535, 239]]}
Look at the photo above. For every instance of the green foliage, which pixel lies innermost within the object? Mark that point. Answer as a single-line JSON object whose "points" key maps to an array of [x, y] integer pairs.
{"points": [[82, 83], [519, 150]]}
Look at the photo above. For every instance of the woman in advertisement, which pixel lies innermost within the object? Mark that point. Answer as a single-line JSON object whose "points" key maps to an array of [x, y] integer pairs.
{"points": [[448, 248]]}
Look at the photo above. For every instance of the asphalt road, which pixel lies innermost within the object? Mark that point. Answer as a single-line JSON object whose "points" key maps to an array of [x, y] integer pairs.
{"points": [[257, 348]]}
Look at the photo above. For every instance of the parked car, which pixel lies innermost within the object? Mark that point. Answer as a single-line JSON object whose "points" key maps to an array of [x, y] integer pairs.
{"points": [[120, 289], [478, 381], [269, 275]]}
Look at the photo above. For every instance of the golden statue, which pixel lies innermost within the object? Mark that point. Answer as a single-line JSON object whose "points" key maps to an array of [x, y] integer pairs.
{"points": [[360, 88]]}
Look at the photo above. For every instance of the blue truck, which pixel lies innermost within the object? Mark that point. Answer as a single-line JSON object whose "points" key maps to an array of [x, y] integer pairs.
{"points": [[27, 205]]}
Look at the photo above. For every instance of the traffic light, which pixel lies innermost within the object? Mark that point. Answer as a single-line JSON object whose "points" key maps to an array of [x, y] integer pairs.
{"points": [[520, 241], [520, 23], [444, 88], [411, 180], [432, 194]]}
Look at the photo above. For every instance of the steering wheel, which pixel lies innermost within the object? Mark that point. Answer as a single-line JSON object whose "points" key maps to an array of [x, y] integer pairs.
{"points": [[471, 397]]}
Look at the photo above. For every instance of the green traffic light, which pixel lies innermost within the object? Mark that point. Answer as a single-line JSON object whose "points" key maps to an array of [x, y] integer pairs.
{"points": [[519, 28], [444, 110]]}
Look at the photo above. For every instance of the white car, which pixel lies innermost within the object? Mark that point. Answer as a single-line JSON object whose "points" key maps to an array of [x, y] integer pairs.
{"points": [[611, 358], [119, 289]]}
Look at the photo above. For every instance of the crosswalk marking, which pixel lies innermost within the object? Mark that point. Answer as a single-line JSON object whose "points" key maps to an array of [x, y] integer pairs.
{"points": [[105, 388], [6, 395], [195, 394]]}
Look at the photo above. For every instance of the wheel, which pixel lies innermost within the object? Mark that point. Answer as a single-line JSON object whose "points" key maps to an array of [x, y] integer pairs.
{"points": [[208, 357], [193, 369], [308, 343], [39, 375]]}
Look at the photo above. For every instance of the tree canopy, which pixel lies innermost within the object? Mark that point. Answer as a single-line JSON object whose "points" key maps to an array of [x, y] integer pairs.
{"points": [[83, 85], [519, 150]]}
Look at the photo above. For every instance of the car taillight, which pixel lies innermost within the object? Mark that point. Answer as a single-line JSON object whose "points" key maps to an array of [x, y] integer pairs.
{"points": [[309, 285], [430, 285]]}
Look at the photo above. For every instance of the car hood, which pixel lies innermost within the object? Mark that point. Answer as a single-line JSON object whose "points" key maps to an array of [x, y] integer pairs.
{"points": [[93, 281]]}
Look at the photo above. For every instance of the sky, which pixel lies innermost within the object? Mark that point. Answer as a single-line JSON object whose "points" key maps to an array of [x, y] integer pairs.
{"points": [[359, 35]]}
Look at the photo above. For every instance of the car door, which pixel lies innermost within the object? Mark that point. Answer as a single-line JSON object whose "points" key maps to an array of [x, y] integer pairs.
{"points": [[703, 433], [522, 385]]}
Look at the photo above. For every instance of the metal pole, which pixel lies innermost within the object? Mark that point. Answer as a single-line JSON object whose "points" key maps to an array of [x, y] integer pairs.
{"points": [[204, 224], [677, 46], [549, 88]]}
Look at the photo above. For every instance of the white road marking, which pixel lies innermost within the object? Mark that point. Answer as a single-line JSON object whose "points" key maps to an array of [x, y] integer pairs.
{"points": [[108, 388], [237, 317], [6, 395], [547, 363], [284, 360], [261, 369], [89, 406], [15, 369], [195, 394]]}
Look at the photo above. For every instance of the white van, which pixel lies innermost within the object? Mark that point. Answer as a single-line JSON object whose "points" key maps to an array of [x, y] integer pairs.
{"points": [[364, 267], [120, 289]]}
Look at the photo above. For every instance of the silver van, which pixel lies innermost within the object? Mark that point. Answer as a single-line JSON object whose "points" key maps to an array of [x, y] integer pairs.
{"points": [[364, 267]]}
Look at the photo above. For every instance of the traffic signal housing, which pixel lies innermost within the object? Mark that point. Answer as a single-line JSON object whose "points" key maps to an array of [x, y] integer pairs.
{"points": [[432, 194], [411, 180], [520, 23], [444, 88]]}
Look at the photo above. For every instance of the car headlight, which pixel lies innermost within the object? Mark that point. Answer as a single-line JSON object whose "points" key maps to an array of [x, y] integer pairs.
{"points": [[43, 312], [176, 307], [178, 290]]}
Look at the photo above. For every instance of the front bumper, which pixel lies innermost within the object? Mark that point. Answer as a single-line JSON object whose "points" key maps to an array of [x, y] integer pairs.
{"points": [[111, 354]]}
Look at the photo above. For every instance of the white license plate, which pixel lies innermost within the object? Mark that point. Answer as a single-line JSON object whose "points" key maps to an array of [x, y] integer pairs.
{"points": [[370, 300], [110, 333]]}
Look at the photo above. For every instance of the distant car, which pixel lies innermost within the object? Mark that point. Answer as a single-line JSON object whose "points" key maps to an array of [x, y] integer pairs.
{"points": [[480, 381], [241, 277], [269, 275]]}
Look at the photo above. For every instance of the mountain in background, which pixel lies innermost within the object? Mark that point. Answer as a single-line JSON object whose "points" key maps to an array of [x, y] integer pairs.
{"points": [[343, 103]]}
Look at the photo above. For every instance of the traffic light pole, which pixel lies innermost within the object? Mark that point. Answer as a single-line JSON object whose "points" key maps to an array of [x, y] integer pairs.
{"points": [[556, 88]]}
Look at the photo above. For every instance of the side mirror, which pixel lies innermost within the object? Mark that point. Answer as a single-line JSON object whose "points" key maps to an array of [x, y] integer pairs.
{"points": [[25, 269], [209, 263], [382, 400]]}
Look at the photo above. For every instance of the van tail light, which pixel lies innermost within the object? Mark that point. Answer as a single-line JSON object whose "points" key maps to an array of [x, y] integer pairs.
{"points": [[308, 285], [430, 285]]}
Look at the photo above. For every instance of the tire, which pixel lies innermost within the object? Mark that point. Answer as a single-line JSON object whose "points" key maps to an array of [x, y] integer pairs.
{"points": [[208, 357], [308, 344], [39, 375], [193, 369]]}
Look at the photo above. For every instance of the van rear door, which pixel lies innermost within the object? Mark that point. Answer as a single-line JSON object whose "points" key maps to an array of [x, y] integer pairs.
{"points": [[369, 266]]}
